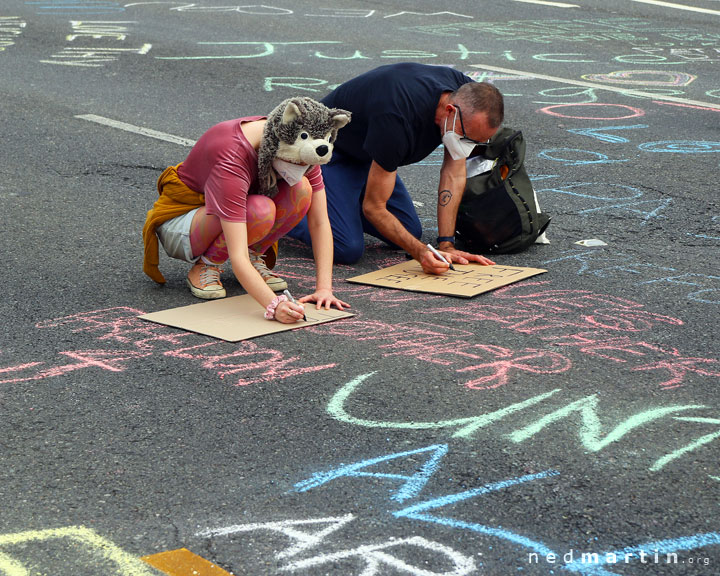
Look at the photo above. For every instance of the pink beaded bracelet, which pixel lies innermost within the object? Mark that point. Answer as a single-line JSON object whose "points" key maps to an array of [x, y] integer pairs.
{"points": [[270, 310]]}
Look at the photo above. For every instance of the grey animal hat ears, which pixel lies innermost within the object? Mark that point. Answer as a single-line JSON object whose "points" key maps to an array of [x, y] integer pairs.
{"points": [[285, 123], [293, 109], [312, 115]]}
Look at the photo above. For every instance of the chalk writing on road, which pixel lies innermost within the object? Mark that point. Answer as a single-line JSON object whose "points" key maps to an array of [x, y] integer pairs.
{"points": [[310, 536], [103, 554], [586, 95], [102, 35], [590, 429], [140, 341], [75, 7], [629, 201], [577, 157], [10, 28], [670, 55], [320, 49], [599, 326], [376, 558], [593, 111], [651, 55], [321, 12], [604, 134], [421, 510], [681, 147], [695, 286], [643, 78], [614, 31]]}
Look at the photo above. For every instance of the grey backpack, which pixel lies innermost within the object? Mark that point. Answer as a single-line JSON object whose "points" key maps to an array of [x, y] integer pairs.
{"points": [[499, 212]]}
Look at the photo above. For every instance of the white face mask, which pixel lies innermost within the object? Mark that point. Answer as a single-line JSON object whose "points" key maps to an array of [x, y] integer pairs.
{"points": [[456, 145], [291, 173]]}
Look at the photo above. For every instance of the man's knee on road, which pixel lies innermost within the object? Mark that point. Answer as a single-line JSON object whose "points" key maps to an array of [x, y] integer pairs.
{"points": [[349, 252]]}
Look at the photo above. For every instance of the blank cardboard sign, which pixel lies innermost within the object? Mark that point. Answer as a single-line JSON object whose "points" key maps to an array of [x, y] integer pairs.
{"points": [[466, 281], [237, 318]]}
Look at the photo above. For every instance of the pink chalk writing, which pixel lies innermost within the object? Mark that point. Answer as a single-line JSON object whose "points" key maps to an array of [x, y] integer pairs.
{"points": [[249, 358], [598, 325], [119, 324], [111, 360], [139, 340], [529, 360], [439, 344]]}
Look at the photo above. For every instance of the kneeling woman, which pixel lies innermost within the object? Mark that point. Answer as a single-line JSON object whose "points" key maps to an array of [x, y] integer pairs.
{"points": [[209, 208]]}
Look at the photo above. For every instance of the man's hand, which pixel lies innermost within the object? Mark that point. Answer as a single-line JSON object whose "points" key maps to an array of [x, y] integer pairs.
{"points": [[453, 255], [431, 264]]}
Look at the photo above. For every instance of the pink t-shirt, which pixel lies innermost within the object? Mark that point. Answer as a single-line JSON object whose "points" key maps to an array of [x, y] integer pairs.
{"points": [[223, 165]]}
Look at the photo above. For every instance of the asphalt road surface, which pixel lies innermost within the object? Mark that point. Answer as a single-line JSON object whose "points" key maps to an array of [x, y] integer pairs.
{"points": [[567, 424]]}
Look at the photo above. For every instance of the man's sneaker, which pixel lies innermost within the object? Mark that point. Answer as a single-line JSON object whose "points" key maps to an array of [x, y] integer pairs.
{"points": [[204, 281], [274, 281]]}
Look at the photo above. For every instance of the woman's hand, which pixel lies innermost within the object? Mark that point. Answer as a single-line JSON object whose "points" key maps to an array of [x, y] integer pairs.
{"points": [[288, 313], [325, 298]]}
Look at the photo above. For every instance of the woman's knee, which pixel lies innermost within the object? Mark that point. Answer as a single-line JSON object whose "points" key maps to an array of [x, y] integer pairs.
{"points": [[261, 212], [260, 207]]}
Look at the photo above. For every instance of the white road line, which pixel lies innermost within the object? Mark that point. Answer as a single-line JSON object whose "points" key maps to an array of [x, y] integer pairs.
{"points": [[679, 6], [136, 129], [545, 3], [650, 95]]}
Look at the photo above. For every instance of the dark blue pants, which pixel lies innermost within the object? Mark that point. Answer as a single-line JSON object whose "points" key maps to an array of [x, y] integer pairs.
{"points": [[345, 188]]}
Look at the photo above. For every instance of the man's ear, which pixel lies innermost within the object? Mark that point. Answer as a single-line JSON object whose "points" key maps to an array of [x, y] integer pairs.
{"points": [[291, 113], [340, 118]]}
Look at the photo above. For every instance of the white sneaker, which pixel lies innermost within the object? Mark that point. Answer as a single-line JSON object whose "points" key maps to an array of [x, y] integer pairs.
{"points": [[274, 281]]}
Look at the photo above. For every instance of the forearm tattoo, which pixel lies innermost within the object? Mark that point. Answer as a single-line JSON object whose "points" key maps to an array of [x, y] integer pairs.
{"points": [[445, 197]]}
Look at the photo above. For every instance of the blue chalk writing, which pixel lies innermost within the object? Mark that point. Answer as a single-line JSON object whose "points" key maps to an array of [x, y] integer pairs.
{"points": [[412, 486], [681, 147], [645, 209], [563, 155], [601, 133], [708, 295], [704, 236], [573, 190], [467, 494], [663, 547], [590, 564], [69, 7], [416, 512]]}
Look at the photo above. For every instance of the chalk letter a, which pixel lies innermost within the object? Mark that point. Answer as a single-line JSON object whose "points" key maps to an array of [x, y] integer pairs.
{"points": [[412, 485]]}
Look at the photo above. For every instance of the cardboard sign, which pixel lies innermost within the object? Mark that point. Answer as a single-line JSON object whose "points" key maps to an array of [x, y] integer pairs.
{"points": [[466, 281], [237, 318]]}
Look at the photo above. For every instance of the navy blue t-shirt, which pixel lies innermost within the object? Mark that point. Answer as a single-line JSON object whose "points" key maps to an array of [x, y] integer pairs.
{"points": [[393, 112]]}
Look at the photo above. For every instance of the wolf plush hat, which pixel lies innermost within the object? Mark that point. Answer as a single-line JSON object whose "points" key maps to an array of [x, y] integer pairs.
{"points": [[299, 131]]}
